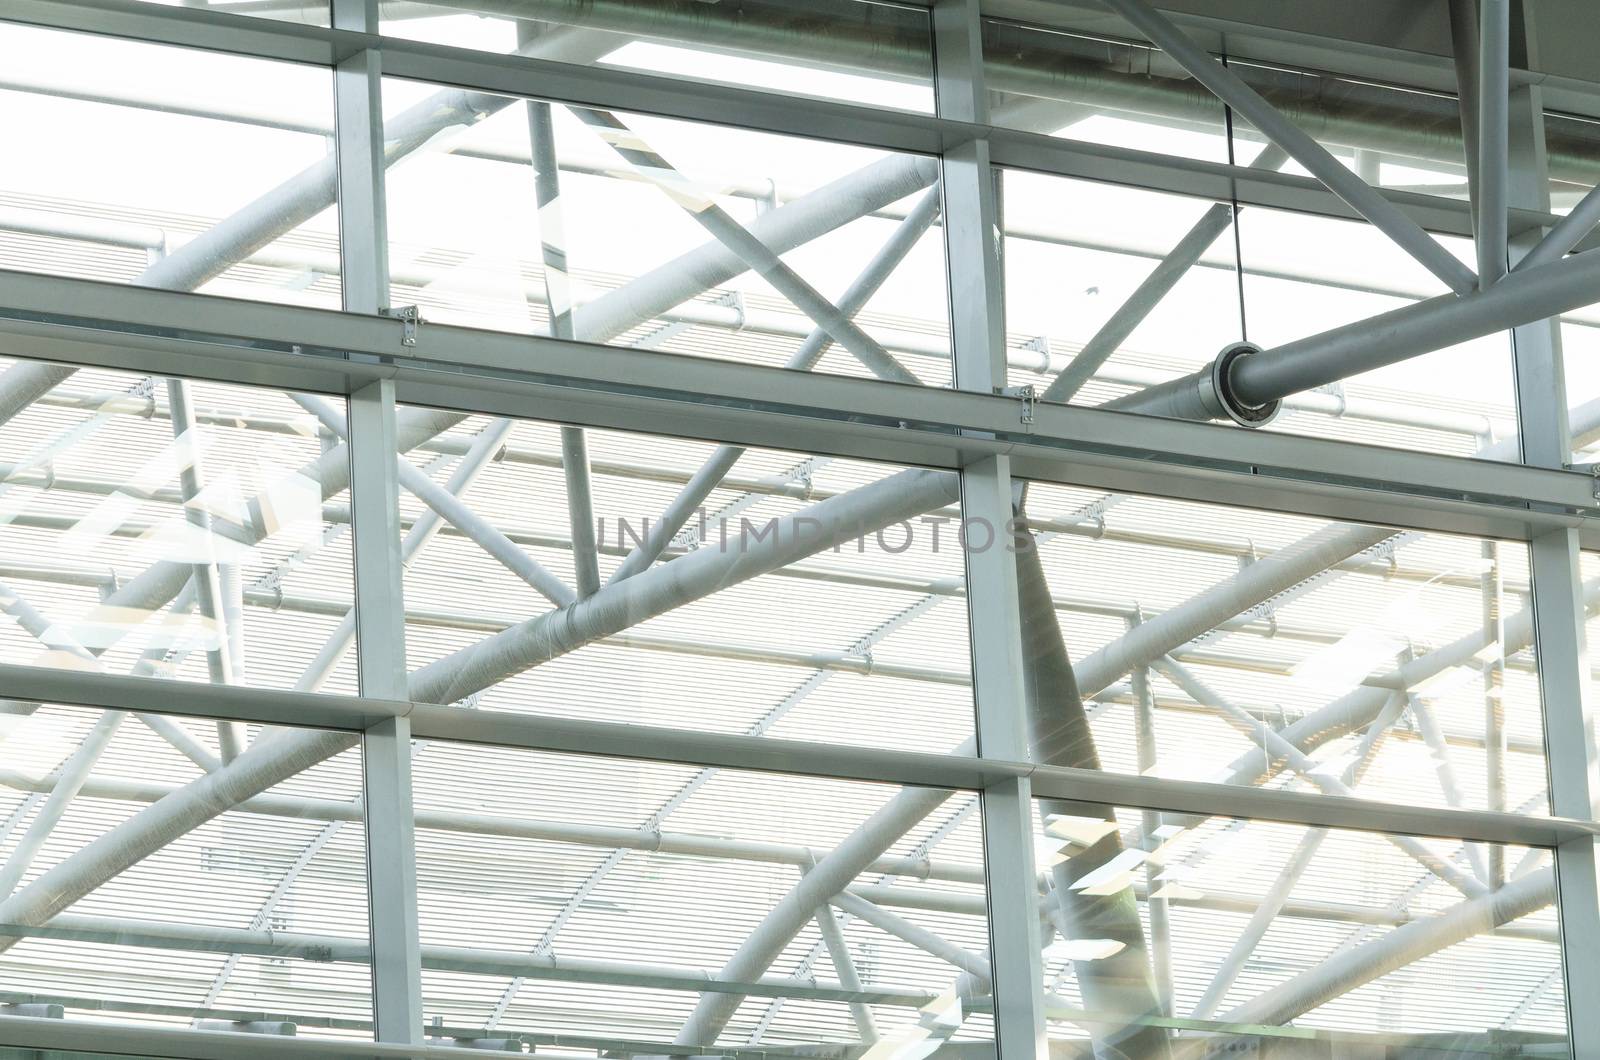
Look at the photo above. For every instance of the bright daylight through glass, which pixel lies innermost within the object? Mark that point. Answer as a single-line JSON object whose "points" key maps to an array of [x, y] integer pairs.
{"points": [[833, 529]]}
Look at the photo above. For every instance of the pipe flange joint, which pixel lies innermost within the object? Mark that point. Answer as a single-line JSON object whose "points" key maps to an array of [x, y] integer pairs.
{"points": [[1221, 396]]}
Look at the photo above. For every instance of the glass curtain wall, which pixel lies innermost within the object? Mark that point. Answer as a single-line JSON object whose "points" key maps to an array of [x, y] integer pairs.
{"points": [[363, 700]]}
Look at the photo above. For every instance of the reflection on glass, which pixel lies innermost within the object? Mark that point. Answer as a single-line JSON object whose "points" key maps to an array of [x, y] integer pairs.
{"points": [[854, 911], [666, 235], [1185, 936], [174, 528], [859, 51], [1205, 643], [233, 190], [256, 919], [796, 596]]}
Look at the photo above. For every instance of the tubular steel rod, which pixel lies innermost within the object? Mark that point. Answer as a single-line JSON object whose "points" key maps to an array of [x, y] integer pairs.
{"points": [[1400, 334], [1360, 196], [558, 296], [715, 469], [1491, 194]]}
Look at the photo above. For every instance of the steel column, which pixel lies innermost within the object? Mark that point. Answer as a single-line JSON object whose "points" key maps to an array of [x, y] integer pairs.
{"points": [[977, 333], [375, 529], [386, 745], [1560, 609]]}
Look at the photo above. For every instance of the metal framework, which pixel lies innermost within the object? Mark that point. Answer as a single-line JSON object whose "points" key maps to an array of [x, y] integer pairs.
{"points": [[980, 450]]}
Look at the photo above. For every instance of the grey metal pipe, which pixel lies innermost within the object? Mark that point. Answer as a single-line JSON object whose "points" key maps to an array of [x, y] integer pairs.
{"points": [[1228, 87], [156, 586], [1257, 379]]}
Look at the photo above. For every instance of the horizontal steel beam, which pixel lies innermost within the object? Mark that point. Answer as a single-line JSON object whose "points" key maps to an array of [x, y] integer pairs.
{"points": [[85, 1039], [573, 736], [173, 333]]}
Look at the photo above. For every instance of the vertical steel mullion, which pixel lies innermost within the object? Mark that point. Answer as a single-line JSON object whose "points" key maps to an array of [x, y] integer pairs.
{"points": [[375, 518], [386, 746], [1561, 645], [977, 332]]}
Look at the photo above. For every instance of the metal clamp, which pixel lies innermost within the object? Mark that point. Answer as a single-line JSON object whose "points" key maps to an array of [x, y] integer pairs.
{"points": [[1028, 394], [410, 318], [1593, 471], [1040, 344], [735, 301]]}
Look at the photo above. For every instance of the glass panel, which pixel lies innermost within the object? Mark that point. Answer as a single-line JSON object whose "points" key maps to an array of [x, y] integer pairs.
{"points": [[878, 54], [647, 229], [1246, 647], [192, 544], [1254, 938], [121, 172], [235, 915], [1077, 252], [1099, 90], [616, 917], [806, 597]]}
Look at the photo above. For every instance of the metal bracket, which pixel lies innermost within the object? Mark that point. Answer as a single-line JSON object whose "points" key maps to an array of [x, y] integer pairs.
{"points": [[1040, 344], [1028, 394], [410, 318], [735, 301], [1593, 471]]}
